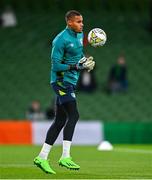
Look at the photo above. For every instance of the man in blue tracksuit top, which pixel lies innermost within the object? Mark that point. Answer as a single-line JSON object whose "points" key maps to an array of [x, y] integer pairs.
{"points": [[67, 62]]}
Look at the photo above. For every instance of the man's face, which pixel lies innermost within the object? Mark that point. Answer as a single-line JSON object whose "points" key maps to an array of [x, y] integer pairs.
{"points": [[76, 23]]}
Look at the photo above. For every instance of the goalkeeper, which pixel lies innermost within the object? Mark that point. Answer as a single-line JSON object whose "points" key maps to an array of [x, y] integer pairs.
{"points": [[67, 62]]}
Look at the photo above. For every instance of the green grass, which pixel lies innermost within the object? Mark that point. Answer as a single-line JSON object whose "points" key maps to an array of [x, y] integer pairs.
{"points": [[125, 162]]}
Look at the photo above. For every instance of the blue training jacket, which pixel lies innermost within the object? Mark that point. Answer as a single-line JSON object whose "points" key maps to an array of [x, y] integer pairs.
{"points": [[67, 49]]}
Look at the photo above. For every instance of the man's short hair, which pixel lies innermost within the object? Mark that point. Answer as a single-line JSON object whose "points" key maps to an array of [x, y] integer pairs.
{"points": [[70, 14]]}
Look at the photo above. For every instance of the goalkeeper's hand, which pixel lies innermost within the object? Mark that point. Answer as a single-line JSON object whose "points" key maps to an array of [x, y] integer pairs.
{"points": [[84, 63], [89, 64]]}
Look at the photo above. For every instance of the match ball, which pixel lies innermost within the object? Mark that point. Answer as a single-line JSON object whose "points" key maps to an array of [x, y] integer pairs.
{"points": [[97, 37]]}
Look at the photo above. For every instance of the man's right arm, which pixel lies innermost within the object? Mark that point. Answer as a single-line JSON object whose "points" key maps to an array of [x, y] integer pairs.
{"points": [[57, 56], [58, 66]]}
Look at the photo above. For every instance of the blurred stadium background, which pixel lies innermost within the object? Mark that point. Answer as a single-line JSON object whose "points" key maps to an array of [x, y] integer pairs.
{"points": [[25, 66]]}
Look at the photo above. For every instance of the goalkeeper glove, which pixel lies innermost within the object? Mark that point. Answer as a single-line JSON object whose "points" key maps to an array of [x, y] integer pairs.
{"points": [[89, 64], [84, 63]]}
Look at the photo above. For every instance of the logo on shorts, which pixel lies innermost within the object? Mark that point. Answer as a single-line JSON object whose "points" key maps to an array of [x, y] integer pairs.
{"points": [[73, 95]]}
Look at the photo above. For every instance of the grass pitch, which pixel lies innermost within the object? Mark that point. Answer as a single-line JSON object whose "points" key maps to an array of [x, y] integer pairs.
{"points": [[124, 162]]}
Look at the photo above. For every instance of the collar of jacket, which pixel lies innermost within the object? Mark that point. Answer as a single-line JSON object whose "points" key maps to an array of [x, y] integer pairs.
{"points": [[72, 32]]}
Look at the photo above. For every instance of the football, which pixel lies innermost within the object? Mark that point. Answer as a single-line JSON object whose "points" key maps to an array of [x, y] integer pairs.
{"points": [[97, 37]]}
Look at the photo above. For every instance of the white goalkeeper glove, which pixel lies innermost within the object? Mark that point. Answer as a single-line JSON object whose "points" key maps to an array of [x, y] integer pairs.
{"points": [[87, 63], [84, 63]]}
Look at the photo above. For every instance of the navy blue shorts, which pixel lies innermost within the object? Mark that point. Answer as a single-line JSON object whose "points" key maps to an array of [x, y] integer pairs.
{"points": [[64, 91]]}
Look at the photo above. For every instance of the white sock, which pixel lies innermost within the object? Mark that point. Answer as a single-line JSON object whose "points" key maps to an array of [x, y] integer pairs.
{"points": [[66, 149], [45, 151]]}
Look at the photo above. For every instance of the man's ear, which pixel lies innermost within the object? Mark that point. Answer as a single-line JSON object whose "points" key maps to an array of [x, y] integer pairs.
{"points": [[69, 22]]}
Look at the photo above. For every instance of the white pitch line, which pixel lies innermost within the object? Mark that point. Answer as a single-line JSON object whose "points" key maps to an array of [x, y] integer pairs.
{"points": [[133, 150]]}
